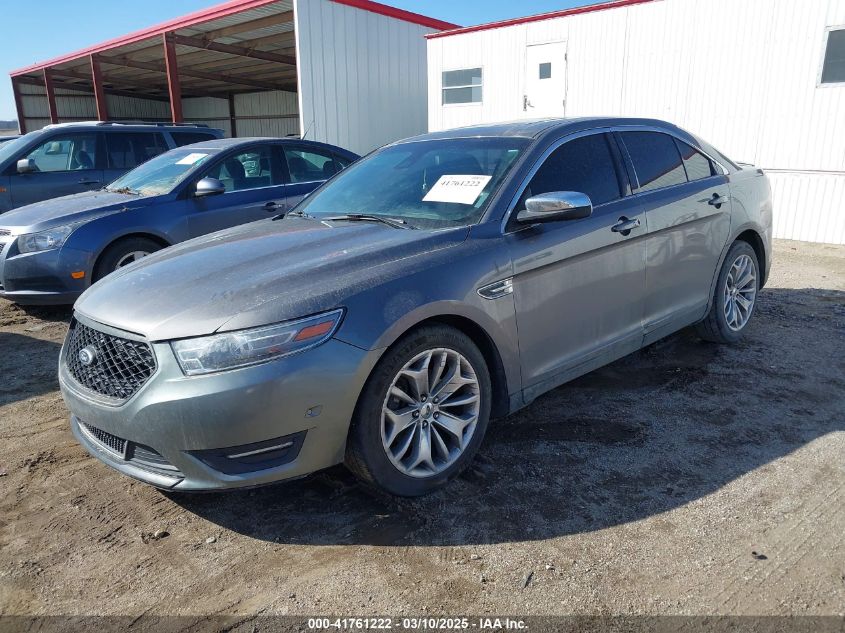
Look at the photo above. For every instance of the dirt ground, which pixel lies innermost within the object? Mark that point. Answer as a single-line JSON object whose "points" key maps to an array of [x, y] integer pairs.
{"points": [[685, 479]]}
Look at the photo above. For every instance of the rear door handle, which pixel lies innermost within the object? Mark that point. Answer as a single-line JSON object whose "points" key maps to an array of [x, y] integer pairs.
{"points": [[271, 206], [625, 226], [717, 200]]}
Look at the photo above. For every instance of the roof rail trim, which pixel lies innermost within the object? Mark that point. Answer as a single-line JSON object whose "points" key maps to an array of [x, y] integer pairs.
{"points": [[562, 13]]}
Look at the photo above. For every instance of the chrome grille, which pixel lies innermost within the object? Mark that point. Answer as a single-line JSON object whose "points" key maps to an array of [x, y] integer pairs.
{"points": [[118, 368]]}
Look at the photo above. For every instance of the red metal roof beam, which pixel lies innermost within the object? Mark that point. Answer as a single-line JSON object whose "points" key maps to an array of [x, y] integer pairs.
{"points": [[197, 42]]}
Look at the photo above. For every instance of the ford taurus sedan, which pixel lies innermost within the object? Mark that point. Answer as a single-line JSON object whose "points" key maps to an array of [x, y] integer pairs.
{"points": [[53, 250], [442, 281]]}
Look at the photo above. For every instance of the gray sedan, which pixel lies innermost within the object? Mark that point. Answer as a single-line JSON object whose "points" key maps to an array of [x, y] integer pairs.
{"points": [[442, 281]]}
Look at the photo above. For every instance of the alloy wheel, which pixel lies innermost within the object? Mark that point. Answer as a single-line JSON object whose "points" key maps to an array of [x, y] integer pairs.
{"points": [[128, 258], [740, 292], [430, 413]]}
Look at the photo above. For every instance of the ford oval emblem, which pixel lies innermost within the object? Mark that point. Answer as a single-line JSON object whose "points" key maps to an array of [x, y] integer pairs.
{"points": [[87, 355]]}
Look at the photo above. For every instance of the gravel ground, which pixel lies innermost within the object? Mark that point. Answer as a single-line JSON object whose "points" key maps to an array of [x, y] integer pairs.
{"points": [[685, 479]]}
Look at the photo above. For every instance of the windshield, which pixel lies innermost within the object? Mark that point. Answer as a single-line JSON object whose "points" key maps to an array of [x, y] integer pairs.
{"points": [[428, 184], [161, 174], [10, 148]]}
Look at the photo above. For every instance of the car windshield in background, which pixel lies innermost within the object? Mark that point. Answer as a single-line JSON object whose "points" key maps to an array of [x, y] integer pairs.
{"points": [[161, 174], [427, 184], [10, 148]]}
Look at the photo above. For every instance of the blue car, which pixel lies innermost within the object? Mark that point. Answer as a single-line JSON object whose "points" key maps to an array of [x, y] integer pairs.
{"points": [[51, 251], [67, 158]]}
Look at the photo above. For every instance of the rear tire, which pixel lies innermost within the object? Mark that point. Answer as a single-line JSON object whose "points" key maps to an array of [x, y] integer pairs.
{"points": [[122, 253], [413, 443], [735, 296]]}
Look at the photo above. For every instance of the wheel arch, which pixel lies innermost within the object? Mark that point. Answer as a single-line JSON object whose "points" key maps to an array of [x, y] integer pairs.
{"points": [[753, 238], [500, 405], [155, 237]]}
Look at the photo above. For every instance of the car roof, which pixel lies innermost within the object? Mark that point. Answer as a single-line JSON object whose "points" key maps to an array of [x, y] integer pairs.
{"points": [[535, 128], [227, 143]]}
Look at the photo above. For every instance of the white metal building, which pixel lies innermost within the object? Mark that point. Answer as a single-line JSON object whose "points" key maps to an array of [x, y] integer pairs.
{"points": [[763, 80], [347, 72]]}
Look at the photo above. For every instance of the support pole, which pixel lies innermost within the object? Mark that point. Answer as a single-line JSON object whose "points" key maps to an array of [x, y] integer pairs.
{"points": [[99, 91], [51, 96], [173, 87], [233, 120], [16, 90]]}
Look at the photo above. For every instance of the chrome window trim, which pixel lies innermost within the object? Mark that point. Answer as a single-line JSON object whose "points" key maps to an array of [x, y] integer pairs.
{"points": [[588, 132]]}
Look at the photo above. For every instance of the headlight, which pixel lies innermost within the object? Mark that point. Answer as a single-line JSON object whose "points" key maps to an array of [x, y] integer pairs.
{"points": [[45, 240], [231, 350]]}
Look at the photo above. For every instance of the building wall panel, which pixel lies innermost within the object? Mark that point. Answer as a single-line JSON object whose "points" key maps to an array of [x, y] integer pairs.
{"points": [[741, 73], [362, 75]]}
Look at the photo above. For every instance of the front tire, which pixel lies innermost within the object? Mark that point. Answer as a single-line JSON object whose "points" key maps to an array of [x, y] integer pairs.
{"points": [[735, 296], [423, 413], [122, 253]]}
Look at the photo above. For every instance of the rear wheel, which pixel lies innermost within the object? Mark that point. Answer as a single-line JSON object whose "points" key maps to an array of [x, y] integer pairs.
{"points": [[122, 253], [423, 413], [735, 296]]}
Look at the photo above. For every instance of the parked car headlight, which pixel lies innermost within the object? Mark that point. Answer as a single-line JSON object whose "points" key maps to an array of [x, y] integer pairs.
{"points": [[231, 350], [45, 240]]}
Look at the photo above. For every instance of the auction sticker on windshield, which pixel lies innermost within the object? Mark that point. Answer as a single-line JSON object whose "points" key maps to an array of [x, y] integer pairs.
{"points": [[191, 159], [457, 188]]}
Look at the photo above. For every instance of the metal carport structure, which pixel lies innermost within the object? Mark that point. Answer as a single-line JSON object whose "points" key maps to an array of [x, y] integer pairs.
{"points": [[350, 72]]}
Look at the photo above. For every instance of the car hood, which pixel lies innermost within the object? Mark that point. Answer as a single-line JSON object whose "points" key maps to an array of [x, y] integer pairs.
{"points": [[69, 209], [256, 274]]}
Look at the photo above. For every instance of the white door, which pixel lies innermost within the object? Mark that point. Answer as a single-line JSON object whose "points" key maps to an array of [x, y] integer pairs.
{"points": [[545, 80]]}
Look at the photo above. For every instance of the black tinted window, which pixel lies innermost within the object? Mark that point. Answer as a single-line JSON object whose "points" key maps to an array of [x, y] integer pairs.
{"points": [[698, 166], [585, 165], [129, 149], [656, 159], [833, 70], [187, 138]]}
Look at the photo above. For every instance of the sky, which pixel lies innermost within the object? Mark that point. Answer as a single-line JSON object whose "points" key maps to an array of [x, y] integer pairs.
{"points": [[38, 30]]}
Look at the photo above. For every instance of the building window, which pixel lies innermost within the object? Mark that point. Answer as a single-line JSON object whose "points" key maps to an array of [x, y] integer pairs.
{"points": [[546, 70], [462, 86], [833, 70]]}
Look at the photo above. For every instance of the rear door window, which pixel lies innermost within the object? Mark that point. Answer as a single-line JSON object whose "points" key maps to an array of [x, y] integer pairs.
{"points": [[188, 138], [310, 165], [656, 159], [585, 165], [126, 150]]}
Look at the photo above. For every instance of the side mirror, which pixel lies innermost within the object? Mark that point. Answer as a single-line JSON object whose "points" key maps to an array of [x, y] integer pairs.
{"points": [[556, 206], [209, 187], [26, 166]]}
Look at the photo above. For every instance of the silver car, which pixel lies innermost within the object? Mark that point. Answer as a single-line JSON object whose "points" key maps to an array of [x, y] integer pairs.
{"points": [[440, 282]]}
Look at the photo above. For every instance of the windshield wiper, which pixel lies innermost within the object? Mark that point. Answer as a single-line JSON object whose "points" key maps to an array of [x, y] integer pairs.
{"points": [[363, 217]]}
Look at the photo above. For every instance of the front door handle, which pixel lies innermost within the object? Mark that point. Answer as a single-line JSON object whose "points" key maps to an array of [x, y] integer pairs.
{"points": [[271, 206], [89, 182], [625, 226], [717, 200]]}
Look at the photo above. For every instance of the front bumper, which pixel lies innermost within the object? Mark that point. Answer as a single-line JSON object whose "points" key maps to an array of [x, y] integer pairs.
{"points": [[43, 278], [187, 428]]}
